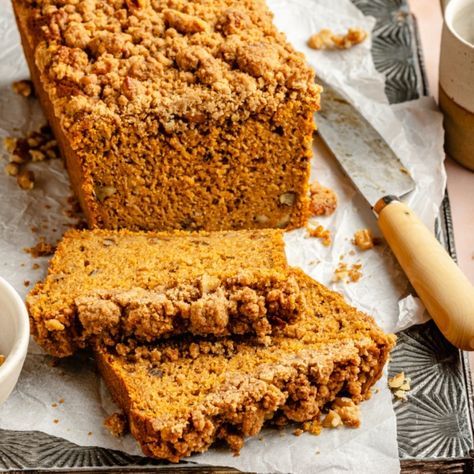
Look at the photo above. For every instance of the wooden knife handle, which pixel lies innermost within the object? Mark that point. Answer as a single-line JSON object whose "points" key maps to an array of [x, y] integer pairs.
{"points": [[445, 291]]}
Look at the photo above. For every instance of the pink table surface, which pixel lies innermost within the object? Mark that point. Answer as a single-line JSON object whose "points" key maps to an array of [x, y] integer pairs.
{"points": [[460, 180]]}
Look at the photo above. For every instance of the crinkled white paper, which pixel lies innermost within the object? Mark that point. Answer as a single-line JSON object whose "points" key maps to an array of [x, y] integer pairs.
{"points": [[412, 129]]}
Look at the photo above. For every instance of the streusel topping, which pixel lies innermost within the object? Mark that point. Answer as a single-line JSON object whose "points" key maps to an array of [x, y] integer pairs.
{"points": [[181, 61]]}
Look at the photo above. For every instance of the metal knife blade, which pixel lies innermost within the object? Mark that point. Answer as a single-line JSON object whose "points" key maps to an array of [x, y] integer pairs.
{"points": [[361, 151]]}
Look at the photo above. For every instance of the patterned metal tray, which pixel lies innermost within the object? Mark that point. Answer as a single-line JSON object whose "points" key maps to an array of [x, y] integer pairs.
{"points": [[435, 426]]}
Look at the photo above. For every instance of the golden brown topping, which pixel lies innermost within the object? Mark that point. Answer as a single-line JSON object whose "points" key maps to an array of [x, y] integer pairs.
{"points": [[326, 39], [2, 359]]}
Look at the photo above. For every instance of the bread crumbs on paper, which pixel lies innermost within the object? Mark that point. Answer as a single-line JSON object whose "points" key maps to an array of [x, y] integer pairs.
{"points": [[116, 424], [348, 274], [326, 39], [55, 421], [320, 232], [323, 201], [41, 249], [24, 88]]}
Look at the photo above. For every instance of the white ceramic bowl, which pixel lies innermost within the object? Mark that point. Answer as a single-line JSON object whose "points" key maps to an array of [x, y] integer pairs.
{"points": [[14, 337]]}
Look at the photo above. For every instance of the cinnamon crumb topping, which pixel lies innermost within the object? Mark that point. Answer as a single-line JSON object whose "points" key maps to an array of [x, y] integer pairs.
{"points": [[177, 62]]}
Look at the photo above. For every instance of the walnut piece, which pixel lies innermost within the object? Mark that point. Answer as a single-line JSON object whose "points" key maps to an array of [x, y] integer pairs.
{"points": [[326, 39]]}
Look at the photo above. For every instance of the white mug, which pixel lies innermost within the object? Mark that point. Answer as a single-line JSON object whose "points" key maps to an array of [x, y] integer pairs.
{"points": [[456, 80]]}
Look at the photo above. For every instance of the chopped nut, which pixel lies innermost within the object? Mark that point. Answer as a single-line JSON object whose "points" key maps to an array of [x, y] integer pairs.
{"points": [[116, 424], [12, 169], [37, 155], [332, 420], [104, 192], [261, 219], [54, 325], [284, 221], [364, 239], [24, 87], [298, 432], [326, 39], [406, 385], [397, 380], [26, 179], [287, 199], [401, 395], [10, 144]]}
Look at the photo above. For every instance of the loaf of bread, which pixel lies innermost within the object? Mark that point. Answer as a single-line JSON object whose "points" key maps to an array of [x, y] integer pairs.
{"points": [[109, 285], [174, 114], [182, 395]]}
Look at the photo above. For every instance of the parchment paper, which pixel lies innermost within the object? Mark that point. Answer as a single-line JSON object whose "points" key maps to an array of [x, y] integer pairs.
{"points": [[413, 130]]}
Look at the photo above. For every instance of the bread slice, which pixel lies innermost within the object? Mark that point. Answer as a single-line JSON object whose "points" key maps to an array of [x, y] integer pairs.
{"points": [[113, 284], [182, 395]]}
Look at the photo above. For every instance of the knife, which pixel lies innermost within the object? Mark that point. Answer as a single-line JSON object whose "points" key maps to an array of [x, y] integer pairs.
{"points": [[382, 179]]}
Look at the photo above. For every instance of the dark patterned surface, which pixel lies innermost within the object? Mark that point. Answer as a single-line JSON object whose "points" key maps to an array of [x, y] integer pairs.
{"points": [[436, 421]]}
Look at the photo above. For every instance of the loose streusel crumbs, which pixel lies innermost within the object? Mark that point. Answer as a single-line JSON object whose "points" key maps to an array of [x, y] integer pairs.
{"points": [[320, 232], [323, 200], [23, 88], [326, 39], [116, 424]]}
